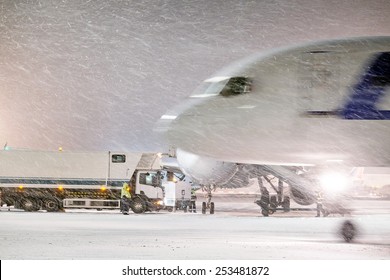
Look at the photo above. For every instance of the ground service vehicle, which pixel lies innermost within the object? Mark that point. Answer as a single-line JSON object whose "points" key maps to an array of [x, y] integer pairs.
{"points": [[56, 180], [178, 195]]}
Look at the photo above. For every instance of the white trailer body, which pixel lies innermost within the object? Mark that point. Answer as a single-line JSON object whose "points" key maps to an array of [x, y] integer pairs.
{"points": [[102, 166], [66, 166], [79, 179]]}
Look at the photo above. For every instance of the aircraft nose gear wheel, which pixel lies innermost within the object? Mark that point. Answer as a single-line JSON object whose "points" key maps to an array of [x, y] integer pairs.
{"points": [[204, 207], [348, 231], [208, 205], [212, 207]]}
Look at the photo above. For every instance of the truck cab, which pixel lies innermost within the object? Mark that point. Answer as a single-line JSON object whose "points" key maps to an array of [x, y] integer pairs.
{"points": [[149, 182]]}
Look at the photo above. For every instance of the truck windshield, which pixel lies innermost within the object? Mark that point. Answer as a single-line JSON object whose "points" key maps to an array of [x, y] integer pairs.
{"points": [[147, 178]]}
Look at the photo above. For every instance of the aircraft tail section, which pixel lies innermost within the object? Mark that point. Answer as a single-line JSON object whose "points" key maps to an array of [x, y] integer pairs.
{"points": [[362, 104]]}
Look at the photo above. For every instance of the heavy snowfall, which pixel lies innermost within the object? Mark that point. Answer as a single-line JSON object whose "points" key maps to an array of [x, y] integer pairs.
{"points": [[97, 76]]}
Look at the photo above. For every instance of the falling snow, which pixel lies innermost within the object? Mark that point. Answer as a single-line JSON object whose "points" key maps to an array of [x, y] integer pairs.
{"points": [[97, 75]]}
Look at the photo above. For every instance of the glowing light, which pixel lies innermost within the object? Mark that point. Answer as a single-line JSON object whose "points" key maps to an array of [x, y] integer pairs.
{"points": [[334, 182], [160, 202], [204, 95], [21, 187], [168, 117], [103, 188], [216, 79], [60, 188], [246, 107]]}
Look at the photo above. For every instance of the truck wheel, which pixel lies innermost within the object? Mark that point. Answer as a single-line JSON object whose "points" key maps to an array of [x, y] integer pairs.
{"points": [[30, 205], [50, 205], [138, 206], [212, 208], [203, 207]]}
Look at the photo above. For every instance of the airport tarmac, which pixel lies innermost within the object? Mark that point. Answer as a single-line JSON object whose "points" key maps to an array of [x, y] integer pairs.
{"points": [[236, 231]]}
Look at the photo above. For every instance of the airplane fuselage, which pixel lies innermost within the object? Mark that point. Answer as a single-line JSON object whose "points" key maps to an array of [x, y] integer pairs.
{"points": [[297, 108]]}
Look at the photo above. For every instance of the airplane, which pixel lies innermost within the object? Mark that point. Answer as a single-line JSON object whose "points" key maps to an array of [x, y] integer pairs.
{"points": [[299, 113]]}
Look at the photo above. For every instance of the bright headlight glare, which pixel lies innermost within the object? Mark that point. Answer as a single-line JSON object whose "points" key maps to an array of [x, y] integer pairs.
{"points": [[160, 202], [334, 182]]}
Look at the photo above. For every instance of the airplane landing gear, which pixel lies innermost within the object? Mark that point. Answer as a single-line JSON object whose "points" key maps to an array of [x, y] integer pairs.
{"points": [[269, 203], [209, 204], [212, 208], [204, 207]]}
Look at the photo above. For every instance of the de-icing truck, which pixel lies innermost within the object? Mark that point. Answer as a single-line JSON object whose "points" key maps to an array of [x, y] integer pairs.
{"points": [[57, 180]]}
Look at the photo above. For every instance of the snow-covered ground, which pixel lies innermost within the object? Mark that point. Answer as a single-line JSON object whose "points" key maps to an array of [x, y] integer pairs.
{"points": [[236, 231]]}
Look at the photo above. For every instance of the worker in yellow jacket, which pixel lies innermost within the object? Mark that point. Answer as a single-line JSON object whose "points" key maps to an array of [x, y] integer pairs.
{"points": [[125, 198]]}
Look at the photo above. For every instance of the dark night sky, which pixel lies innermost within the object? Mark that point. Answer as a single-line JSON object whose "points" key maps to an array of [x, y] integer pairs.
{"points": [[97, 75]]}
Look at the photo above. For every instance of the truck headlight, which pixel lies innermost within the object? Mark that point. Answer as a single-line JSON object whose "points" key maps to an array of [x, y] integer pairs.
{"points": [[160, 202]]}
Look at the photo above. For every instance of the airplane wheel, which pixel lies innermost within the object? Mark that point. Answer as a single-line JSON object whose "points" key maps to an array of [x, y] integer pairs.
{"points": [[212, 208], [203, 207], [264, 212], [273, 203], [286, 204], [348, 231]]}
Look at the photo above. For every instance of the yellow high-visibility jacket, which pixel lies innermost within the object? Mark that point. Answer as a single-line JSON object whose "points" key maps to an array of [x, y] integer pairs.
{"points": [[125, 190]]}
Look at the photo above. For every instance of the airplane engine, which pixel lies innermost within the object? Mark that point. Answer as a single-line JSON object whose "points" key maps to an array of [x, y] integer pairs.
{"points": [[239, 180], [302, 197], [205, 170]]}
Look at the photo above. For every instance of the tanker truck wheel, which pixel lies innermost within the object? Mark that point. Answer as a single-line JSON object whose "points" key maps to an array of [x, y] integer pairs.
{"points": [[50, 205], [30, 204], [138, 206]]}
